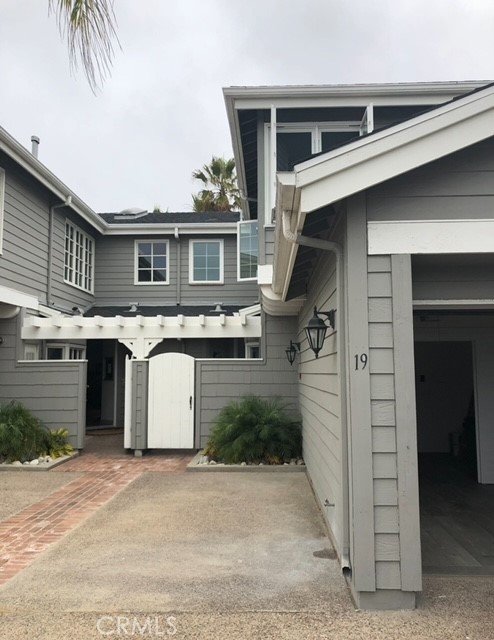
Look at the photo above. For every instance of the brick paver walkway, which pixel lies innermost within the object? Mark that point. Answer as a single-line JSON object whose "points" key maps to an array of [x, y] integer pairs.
{"points": [[24, 536]]}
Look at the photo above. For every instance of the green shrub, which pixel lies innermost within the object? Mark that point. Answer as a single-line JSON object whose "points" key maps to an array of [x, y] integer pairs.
{"points": [[22, 435], [255, 430], [57, 445]]}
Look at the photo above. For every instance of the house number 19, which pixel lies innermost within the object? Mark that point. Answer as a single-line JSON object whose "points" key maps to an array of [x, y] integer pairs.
{"points": [[360, 361]]}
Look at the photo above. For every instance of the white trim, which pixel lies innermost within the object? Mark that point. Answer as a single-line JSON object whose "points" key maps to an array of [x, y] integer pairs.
{"points": [[395, 150], [239, 225], [430, 236], [18, 299], [136, 262], [68, 328], [149, 229], [192, 243], [2, 206], [34, 167]]}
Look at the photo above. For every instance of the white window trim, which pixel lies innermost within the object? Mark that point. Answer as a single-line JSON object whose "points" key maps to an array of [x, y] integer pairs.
{"points": [[2, 206], [66, 348], [316, 129], [136, 263], [86, 236], [239, 224], [191, 262]]}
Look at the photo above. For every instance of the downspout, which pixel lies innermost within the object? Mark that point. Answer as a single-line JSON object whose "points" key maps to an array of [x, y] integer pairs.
{"points": [[337, 250], [67, 203], [179, 267]]}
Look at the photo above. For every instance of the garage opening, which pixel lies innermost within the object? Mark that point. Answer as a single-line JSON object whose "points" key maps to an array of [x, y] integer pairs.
{"points": [[457, 512]]}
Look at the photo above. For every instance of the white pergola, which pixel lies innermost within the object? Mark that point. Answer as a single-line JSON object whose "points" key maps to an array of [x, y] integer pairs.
{"points": [[142, 333]]}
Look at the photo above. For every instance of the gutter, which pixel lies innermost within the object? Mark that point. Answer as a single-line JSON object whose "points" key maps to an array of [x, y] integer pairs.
{"points": [[337, 250], [179, 267]]}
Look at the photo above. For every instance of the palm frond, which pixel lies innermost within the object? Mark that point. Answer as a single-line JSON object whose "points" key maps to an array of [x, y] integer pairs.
{"points": [[89, 26]]}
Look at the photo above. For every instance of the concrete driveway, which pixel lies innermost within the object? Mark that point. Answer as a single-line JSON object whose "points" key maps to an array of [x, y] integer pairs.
{"points": [[213, 556]]}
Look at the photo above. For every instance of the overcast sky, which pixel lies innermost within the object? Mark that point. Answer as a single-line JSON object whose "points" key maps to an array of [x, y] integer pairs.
{"points": [[161, 114]]}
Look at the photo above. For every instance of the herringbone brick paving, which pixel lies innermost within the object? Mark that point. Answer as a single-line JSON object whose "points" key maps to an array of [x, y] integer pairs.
{"points": [[27, 534]]}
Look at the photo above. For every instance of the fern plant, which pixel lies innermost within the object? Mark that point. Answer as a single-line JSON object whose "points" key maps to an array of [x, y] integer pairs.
{"points": [[255, 430], [22, 435]]}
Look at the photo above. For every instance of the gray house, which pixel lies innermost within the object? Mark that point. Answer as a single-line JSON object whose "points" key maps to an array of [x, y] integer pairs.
{"points": [[122, 319], [376, 219], [369, 220]]}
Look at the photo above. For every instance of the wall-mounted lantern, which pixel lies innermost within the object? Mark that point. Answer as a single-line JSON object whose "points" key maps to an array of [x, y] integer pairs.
{"points": [[291, 351], [317, 327]]}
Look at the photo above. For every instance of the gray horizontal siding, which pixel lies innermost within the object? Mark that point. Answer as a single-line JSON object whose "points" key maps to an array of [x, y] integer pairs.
{"points": [[218, 382], [383, 424], [55, 391], [320, 401], [443, 277], [456, 187], [24, 261], [115, 276]]}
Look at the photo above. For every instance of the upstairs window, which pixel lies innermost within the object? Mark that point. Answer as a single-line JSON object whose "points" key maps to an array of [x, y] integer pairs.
{"points": [[206, 262], [151, 262], [247, 250], [79, 258]]}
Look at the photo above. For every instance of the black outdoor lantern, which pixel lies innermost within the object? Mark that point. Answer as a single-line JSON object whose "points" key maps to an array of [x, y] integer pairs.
{"points": [[316, 329], [291, 351]]}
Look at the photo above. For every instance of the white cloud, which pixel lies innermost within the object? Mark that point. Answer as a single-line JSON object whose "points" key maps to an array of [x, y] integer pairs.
{"points": [[161, 114]]}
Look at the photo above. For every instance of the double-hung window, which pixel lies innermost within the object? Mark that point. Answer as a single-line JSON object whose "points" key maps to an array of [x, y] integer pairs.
{"points": [[151, 262], [247, 250], [206, 262], [79, 258]]}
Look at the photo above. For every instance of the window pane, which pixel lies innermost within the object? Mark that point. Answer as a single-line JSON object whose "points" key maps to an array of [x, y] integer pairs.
{"points": [[200, 274], [292, 148], [144, 248], [332, 139], [159, 262], [159, 248], [144, 263], [159, 275], [144, 275]]}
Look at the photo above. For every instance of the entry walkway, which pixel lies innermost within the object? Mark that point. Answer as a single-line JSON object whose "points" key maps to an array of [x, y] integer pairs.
{"points": [[106, 470]]}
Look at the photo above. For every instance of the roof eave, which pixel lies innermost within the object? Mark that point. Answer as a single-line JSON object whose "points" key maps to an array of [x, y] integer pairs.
{"points": [[40, 172], [395, 150]]}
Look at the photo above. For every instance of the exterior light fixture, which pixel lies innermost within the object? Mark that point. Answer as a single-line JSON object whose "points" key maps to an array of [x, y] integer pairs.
{"points": [[317, 327], [291, 351]]}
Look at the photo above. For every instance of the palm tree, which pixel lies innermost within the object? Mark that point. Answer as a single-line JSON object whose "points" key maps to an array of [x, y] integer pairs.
{"points": [[90, 29], [220, 190]]}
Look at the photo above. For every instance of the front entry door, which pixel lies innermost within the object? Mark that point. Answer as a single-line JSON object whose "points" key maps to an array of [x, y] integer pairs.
{"points": [[171, 401]]}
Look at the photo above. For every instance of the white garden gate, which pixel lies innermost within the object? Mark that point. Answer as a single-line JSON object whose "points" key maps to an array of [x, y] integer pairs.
{"points": [[171, 401]]}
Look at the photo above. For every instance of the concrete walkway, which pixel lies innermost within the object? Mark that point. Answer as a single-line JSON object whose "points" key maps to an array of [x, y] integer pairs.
{"points": [[152, 551]]}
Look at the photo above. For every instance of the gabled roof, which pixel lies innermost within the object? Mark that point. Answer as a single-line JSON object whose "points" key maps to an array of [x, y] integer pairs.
{"points": [[373, 159], [38, 170], [397, 149]]}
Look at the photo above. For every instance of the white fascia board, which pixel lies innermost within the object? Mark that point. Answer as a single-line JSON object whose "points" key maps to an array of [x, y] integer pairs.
{"points": [[396, 150], [347, 95], [18, 299], [153, 327], [211, 228], [37, 169], [430, 236], [234, 125]]}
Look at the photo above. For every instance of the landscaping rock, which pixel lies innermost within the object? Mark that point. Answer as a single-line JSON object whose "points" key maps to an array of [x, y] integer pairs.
{"points": [[35, 461], [17, 463]]}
